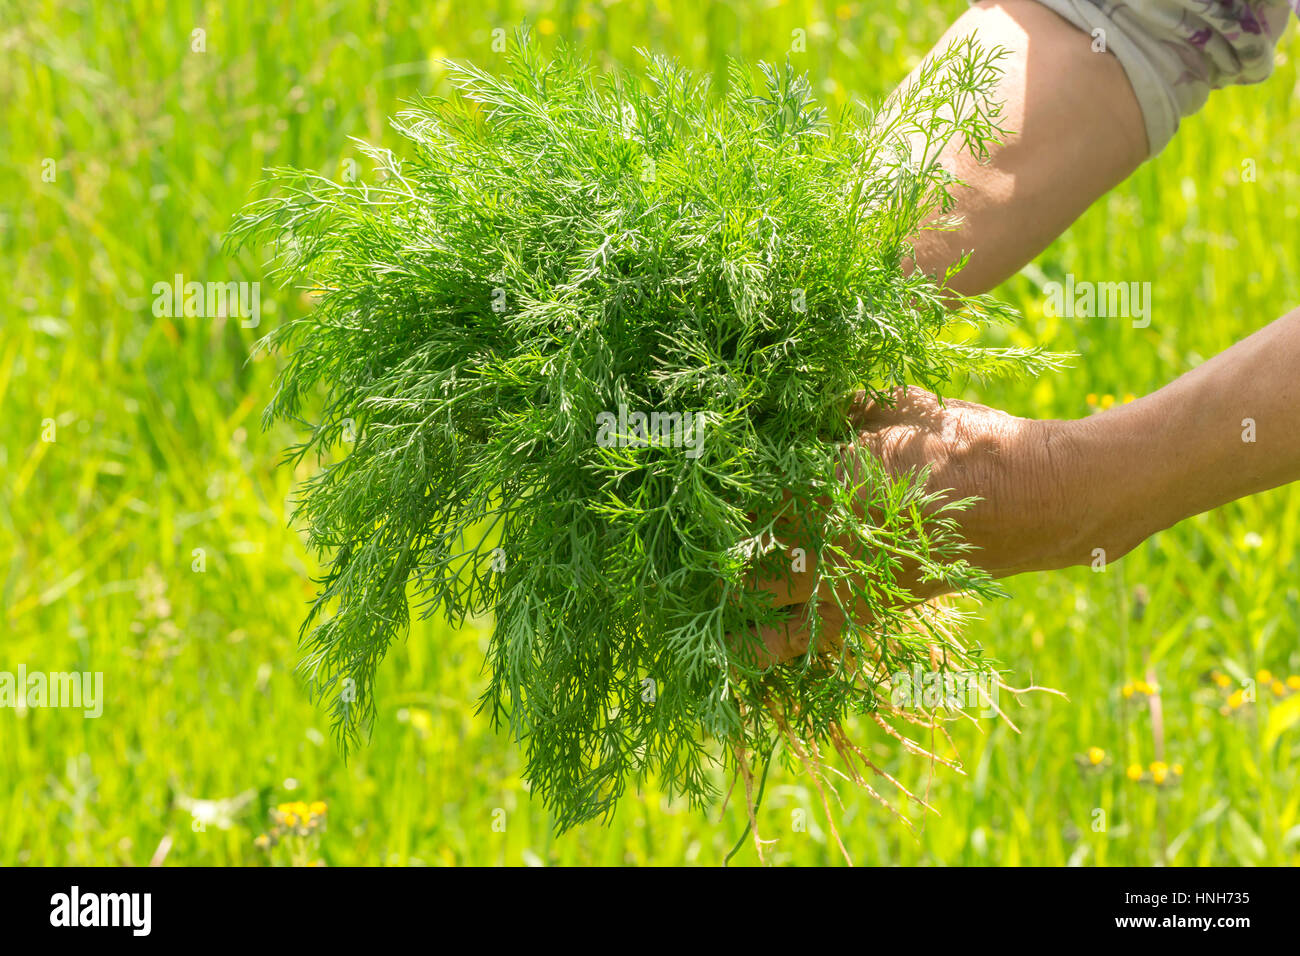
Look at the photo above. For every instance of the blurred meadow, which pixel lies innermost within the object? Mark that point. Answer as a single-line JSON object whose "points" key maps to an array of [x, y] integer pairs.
{"points": [[143, 522]]}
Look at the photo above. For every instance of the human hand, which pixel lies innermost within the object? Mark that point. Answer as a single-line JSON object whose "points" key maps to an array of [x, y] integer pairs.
{"points": [[1021, 470]]}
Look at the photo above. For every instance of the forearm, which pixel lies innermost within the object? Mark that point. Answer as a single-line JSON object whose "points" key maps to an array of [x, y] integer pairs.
{"points": [[1064, 493], [1222, 431], [1074, 132]]}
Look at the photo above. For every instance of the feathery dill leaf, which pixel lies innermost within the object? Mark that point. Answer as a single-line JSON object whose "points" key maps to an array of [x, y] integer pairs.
{"points": [[558, 250]]}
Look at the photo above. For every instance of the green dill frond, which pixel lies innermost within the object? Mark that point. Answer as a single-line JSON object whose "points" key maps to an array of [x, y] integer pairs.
{"points": [[554, 254]]}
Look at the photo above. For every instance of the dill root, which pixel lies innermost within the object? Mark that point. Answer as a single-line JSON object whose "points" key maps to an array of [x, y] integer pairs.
{"points": [[592, 338]]}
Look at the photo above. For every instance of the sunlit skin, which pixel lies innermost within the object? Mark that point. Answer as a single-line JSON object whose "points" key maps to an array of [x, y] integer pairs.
{"points": [[1055, 494]]}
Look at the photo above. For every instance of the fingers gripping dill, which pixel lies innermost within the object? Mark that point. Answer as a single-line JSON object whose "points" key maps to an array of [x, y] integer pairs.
{"points": [[560, 250]]}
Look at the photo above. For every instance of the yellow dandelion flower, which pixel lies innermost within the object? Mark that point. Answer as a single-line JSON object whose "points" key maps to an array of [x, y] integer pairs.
{"points": [[1236, 699], [1177, 769], [1096, 755], [317, 809], [1159, 773], [1264, 676], [1221, 679], [545, 27], [1107, 401], [1293, 682], [291, 819], [1127, 690], [1130, 397], [1134, 771], [1278, 688], [284, 808], [844, 11]]}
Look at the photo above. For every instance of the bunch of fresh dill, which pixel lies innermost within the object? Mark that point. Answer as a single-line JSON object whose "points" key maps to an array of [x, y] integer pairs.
{"points": [[593, 342]]}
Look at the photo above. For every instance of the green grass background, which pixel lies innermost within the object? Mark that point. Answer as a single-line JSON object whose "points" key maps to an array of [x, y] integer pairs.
{"points": [[158, 451]]}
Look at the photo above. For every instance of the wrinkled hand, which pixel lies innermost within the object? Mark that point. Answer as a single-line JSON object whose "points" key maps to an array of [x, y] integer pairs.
{"points": [[1020, 469]]}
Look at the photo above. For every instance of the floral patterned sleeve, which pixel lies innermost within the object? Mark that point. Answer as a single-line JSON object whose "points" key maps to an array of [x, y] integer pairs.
{"points": [[1176, 51]]}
